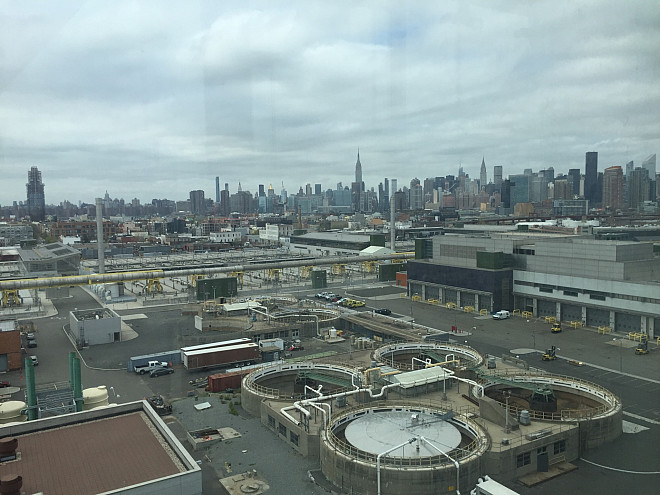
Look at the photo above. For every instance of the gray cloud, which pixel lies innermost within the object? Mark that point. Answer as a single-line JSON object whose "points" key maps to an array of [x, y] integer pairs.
{"points": [[152, 100]]}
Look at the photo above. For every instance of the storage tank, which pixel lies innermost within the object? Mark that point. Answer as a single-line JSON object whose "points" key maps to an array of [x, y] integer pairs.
{"points": [[10, 412], [333, 333], [95, 397], [524, 417]]}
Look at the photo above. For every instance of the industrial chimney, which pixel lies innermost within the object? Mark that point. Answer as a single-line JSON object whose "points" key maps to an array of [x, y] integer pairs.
{"points": [[99, 234]]}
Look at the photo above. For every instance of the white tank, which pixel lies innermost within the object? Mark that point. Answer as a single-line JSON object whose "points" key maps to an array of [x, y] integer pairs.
{"points": [[95, 397], [10, 412], [333, 333]]}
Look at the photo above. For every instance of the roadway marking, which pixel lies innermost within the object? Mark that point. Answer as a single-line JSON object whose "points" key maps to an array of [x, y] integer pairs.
{"points": [[137, 316], [629, 427], [641, 418], [620, 470], [610, 370]]}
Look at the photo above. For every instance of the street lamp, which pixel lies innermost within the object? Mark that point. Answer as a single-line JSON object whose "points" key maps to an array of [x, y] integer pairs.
{"points": [[620, 355]]}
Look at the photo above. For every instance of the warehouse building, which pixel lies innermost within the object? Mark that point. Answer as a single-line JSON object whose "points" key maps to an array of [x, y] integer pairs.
{"points": [[573, 278]]}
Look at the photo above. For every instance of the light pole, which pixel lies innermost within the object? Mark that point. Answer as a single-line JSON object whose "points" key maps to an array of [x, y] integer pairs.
{"points": [[620, 355], [507, 428]]}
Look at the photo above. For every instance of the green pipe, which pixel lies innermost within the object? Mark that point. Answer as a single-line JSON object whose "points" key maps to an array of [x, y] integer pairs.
{"points": [[77, 384], [31, 390]]}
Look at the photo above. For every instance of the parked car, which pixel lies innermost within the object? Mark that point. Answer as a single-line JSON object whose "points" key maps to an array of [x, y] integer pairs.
{"points": [[32, 343], [34, 359], [161, 371], [4, 383], [30, 336], [383, 311]]}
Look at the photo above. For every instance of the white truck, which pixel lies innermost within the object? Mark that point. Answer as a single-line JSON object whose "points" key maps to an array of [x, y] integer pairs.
{"points": [[501, 315], [150, 366]]}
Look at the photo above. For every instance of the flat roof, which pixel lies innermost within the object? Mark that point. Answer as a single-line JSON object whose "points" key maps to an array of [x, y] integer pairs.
{"points": [[93, 451], [206, 350]]}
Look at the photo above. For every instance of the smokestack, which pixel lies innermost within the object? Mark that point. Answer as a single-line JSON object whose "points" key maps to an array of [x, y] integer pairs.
{"points": [[392, 222], [99, 234]]}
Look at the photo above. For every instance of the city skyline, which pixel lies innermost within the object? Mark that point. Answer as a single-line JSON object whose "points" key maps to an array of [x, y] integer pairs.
{"points": [[153, 101]]}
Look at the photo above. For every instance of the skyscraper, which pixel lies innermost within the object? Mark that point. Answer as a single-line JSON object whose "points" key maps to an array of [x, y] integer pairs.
{"points": [[613, 187], [591, 176], [358, 169], [483, 178], [497, 176], [574, 178], [638, 189], [197, 203], [649, 164], [36, 200], [217, 189]]}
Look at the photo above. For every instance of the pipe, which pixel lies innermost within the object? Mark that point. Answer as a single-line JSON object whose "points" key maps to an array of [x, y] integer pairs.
{"points": [[314, 390], [35, 283], [385, 453], [325, 417], [458, 491]]}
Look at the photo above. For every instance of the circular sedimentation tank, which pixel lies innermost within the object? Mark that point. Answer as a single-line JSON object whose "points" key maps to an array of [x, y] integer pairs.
{"points": [[292, 381], [403, 448], [557, 398], [416, 355]]}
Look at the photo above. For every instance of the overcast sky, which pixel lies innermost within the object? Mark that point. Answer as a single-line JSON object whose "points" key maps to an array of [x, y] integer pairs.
{"points": [[154, 99]]}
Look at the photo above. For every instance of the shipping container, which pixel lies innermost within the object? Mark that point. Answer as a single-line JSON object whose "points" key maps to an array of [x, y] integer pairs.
{"points": [[222, 381], [223, 343], [220, 356]]}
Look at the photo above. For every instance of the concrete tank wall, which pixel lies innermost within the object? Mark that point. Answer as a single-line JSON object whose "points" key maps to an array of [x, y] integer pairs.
{"points": [[360, 477]]}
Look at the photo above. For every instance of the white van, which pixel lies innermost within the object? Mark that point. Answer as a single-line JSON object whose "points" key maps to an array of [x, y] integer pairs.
{"points": [[501, 315]]}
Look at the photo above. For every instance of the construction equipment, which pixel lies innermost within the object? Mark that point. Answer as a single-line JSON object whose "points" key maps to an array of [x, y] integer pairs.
{"points": [[556, 327], [643, 346], [549, 355]]}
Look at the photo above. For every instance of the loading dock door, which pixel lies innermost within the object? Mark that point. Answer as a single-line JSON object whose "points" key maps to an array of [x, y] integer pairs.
{"points": [[570, 312], [598, 317], [625, 322], [546, 308]]}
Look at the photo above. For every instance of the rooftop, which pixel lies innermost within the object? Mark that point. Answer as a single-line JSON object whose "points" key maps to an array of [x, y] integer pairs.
{"points": [[95, 451]]}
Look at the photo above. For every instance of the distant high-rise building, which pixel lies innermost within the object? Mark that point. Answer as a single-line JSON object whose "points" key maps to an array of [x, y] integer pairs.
{"points": [[358, 169], [613, 187], [217, 189], [416, 196], [262, 190], [483, 177], [520, 189], [574, 176], [591, 176], [317, 189], [497, 176], [638, 189], [36, 200], [563, 189], [649, 164], [630, 166], [197, 202]]}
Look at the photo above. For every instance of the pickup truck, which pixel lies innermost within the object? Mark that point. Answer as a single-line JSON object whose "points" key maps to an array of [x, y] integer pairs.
{"points": [[150, 366]]}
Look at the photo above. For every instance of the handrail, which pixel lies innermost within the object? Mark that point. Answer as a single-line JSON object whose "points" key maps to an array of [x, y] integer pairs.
{"points": [[479, 444]]}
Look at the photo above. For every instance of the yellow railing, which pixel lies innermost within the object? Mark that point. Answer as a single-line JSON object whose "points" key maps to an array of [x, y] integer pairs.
{"points": [[576, 324], [451, 305], [551, 319], [604, 330], [468, 309]]}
